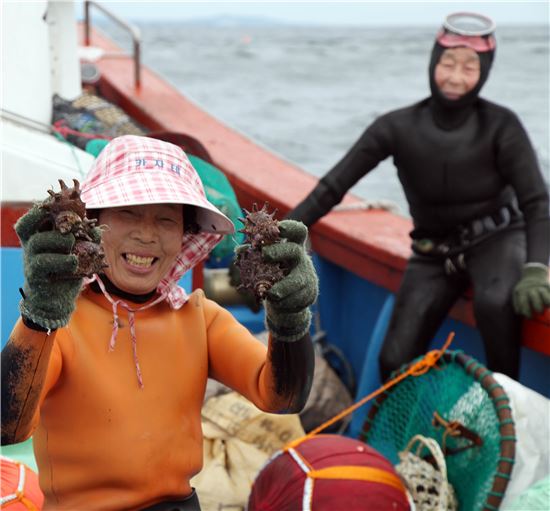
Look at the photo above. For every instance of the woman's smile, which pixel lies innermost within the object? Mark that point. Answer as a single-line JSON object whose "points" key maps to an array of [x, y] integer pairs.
{"points": [[141, 244]]}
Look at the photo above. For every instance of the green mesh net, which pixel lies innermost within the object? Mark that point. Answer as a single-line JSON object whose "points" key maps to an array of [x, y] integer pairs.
{"points": [[457, 395], [220, 193]]}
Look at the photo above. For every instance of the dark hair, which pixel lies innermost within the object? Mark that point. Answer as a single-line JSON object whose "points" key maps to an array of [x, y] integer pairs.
{"points": [[92, 214], [190, 224]]}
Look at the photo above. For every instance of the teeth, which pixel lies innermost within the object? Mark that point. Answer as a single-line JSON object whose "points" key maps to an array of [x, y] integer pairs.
{"points": [[135, 260]]}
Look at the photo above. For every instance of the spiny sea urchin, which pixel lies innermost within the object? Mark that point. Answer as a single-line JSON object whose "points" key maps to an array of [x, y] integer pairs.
{"points": [[260, 229], [67, 214]]}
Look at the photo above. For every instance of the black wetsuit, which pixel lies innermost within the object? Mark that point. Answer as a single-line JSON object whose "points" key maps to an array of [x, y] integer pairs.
{"points": [[464, 173]]}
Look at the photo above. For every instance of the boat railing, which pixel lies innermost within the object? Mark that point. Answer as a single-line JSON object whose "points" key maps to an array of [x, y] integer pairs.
{"points": [[133, 30], [25, 121]]}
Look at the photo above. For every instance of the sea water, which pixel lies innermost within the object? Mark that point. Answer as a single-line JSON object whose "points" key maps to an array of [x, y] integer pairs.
{"points": [[307, 93]]}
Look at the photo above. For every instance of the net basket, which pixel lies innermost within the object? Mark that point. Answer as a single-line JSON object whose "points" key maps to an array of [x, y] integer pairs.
{"points": [[459, 404]]}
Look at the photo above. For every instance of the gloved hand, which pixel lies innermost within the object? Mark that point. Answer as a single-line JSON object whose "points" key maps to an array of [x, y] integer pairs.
{"points": [[50, 288], [287, 314], [532, 292]]}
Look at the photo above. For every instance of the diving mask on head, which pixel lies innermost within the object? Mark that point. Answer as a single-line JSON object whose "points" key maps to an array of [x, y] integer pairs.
{"points": [[468, 29]]}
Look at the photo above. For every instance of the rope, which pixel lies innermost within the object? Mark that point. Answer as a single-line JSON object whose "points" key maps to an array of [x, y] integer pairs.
{"points": [[368, 204], [131, 321], [419, 368], [455, 429], [73, 152], [60, 130], [504, 397], [360, 473]]}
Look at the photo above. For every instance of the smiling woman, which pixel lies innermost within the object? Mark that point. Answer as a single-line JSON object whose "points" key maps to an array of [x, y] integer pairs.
{"points": [[141, 244], [99, 433], [457, 72]]}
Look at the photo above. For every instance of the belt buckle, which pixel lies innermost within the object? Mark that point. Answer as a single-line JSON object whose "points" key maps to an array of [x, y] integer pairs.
{"points": [[489, 224], [424, 245], [477, 227], [455, 265]]}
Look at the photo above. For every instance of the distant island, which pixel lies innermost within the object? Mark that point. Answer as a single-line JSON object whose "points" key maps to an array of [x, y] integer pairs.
{"points": [[227, 21]]}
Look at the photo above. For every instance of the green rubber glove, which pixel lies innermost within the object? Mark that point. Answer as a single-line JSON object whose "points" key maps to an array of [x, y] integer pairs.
{"points": [[50, 288], [287, 303], [532, 292]]}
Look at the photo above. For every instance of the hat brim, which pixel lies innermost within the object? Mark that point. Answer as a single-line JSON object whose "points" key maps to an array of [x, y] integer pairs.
{"points": [[121, 191]]}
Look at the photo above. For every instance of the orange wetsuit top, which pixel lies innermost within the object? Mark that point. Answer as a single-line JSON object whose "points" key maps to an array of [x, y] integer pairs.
{"points": [[102, 442]]}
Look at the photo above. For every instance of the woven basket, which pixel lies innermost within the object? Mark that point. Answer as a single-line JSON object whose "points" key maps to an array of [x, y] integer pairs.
{"points": [[426, 482]]}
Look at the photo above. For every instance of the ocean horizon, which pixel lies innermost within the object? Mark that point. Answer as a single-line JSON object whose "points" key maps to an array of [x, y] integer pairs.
{"points": [[307, 92]]}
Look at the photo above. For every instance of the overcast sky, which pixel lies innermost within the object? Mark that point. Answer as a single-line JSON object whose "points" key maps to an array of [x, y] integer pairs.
{"points": [[405, 12]]}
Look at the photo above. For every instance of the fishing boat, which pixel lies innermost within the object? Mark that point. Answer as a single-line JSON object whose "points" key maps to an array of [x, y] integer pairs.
{"points": [[360, 254]]}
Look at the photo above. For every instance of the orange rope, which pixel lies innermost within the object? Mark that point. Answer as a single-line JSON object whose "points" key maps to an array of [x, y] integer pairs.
{"points": [[421, 367]]}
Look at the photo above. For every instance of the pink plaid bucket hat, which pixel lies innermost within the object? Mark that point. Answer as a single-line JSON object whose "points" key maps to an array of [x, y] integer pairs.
{"points": [[134, 170]]}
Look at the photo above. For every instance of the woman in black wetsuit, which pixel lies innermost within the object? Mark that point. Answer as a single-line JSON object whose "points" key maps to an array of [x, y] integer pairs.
{"points": [[477, 199]]}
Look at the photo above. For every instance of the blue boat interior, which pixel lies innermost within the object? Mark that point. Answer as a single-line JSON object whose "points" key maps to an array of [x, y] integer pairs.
{"points": [[351, 316]]}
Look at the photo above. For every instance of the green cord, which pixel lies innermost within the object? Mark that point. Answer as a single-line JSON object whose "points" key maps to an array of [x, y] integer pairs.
{"points": [[483, 374], [500, 398], [455, 354], [469, 363], [502, 407], [502, 475], [475, 366], [508, 437], [507, 460], [59, 137]]}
